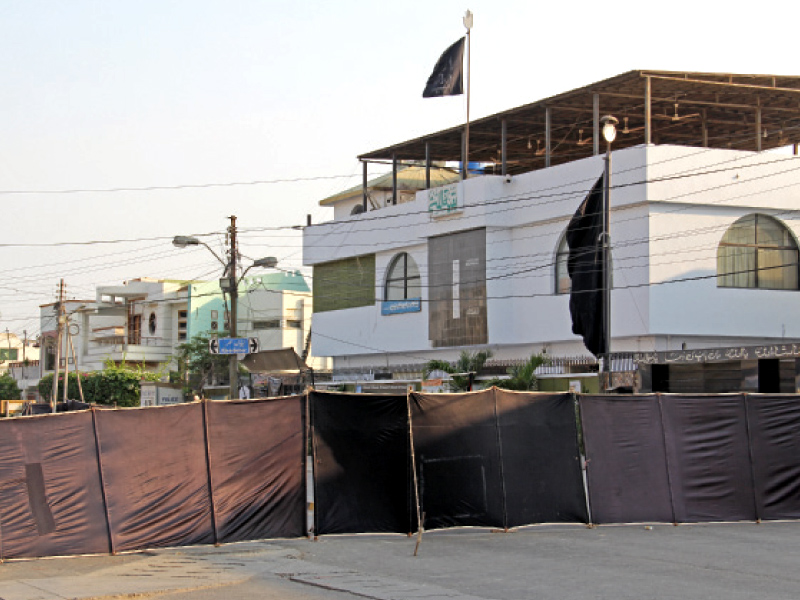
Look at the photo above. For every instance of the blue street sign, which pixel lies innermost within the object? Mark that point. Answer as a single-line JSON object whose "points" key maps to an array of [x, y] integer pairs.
{"points": [[233, 346]]}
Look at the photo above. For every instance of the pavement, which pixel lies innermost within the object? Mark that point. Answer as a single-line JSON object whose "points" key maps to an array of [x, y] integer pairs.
{"points": [[712, 561]]}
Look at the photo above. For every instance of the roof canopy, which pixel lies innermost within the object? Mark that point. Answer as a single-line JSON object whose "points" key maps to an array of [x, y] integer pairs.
{"points": [[716, 110]]}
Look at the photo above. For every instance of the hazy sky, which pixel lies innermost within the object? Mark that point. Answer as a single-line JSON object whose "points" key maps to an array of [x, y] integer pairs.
{"points": [[110, 94]]}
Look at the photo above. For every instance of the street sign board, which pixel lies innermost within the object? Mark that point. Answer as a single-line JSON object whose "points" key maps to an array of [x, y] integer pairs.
{"points": [[233, 345]]}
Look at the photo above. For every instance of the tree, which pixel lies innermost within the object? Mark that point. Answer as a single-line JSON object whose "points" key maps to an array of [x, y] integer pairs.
{"points": [[522, 377], [467, 363], [9, 390], [119, 385], [195, 358]]}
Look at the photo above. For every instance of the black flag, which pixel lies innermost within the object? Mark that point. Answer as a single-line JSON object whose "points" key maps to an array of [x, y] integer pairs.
{"points": [[447, 77], [585, 268]]}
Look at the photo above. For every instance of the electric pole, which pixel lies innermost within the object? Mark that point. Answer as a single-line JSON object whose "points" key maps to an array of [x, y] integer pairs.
{"points": [[60, 325], [233, 286]]}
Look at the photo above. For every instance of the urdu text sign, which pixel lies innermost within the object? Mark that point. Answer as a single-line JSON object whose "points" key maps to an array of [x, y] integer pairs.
{"points": [[444, 200]]}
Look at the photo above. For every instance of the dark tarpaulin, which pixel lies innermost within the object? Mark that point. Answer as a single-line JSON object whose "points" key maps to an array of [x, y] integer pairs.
{"points": [[708, 456], [626, 461], [775, 448], [458, 459], [361, 469], [540, 458], [257, 458], [155, 476], [50, 498]]}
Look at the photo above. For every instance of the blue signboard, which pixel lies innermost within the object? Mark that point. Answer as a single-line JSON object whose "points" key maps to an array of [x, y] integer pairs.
{"points": [[233, 345], [397, 307]]}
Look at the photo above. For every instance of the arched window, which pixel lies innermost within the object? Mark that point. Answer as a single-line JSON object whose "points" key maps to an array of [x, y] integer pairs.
{"points": [[402, 279], [758, 252], [563, 281]]}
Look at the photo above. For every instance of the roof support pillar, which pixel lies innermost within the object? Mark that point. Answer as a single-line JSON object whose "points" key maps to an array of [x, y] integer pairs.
{"points": [[758, 129], [705, 128], [427, 165], [364, 185], [394, 178], [595, 124], [547, 134], [463, 154], [503, 145], [648, 111]]}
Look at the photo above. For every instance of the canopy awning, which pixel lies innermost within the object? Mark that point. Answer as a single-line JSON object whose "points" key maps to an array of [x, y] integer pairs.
{"points": [[715, 110]]}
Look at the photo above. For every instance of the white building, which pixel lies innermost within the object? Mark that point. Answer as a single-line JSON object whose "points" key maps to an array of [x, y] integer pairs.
{"points": [[704, 229], [143, 321]]}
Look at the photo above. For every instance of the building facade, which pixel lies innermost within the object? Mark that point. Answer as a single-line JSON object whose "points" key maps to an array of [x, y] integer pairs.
{"points": [[703, 234]]}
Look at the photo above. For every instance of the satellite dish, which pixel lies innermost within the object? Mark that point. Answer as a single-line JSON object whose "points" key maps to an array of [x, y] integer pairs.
{"points": [[357, 209]]}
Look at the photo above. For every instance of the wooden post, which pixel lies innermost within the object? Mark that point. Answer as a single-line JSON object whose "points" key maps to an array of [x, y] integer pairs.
{"points": [[414, 471]]}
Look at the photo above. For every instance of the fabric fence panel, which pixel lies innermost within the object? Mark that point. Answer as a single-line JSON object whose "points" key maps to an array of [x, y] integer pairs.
{"points": [[458, 459], [626, 466], [50, 497], [361, 468], [708, 455], [775, 446], [540, 458], [155, 476], [257, 458]]}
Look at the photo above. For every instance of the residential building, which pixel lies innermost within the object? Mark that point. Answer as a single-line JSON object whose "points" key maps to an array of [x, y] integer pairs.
{"points": [[143, 321], [704, 224], [274, 308], [15, 350]]}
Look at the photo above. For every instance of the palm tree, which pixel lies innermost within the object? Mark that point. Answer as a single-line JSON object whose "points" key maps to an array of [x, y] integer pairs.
{"points": [[463, 371], [522, 377]]}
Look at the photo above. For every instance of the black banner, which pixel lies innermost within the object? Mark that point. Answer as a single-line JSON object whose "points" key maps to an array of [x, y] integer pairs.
{"points": [[447, 77]]}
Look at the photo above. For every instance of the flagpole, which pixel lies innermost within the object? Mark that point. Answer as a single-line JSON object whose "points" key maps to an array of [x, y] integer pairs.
{"points": [[468, 24]]}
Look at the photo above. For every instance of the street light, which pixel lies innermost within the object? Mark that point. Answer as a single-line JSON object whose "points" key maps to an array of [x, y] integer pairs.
{"points": [[229, 284], [609, 134]]}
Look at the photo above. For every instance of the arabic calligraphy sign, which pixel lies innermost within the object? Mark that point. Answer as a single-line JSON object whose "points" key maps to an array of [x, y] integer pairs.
{"points": [[718, 354]]}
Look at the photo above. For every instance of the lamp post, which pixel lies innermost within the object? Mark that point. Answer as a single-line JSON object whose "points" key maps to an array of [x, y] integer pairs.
{"points": [[229, 283], [609, 124]]}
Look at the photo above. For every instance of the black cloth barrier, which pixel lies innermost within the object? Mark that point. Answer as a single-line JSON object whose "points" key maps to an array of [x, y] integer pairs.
{"points": [[708, 455], [361, 463], [626, 463], [155, 476], [50, 497], [688, 459], [541, 458], [497, 459], [458, 459], [774, 423], [257, 455], [126, 479]]}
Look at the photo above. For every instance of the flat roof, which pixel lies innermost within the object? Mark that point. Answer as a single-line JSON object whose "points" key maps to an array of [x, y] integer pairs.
{"points": [[715, 110]]}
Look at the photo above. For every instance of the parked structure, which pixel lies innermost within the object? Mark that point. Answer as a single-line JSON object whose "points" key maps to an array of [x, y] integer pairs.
{"points": [[704, 233]]}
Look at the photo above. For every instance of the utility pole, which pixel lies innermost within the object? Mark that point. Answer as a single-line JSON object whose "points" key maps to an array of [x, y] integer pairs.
{"points": [[234, 292], [60, 320]]}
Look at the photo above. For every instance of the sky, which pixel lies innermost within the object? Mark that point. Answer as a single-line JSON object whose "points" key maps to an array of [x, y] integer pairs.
{"points": [[125, 123]]}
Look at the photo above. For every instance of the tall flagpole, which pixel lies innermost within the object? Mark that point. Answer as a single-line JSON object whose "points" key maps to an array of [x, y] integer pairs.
{"points": [[468, 24]]}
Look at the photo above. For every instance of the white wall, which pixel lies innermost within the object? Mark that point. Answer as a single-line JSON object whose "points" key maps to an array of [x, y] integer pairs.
{"points": [[670, 208]]}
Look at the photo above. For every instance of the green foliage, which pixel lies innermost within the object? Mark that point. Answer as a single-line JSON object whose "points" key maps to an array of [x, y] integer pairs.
{"points": [[118, 385], [467, 363], [522, 377], [195, 359], [46, 386], [8, 388]]}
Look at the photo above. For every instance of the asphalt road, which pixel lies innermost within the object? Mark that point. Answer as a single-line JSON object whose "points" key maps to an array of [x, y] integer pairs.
{"points": [[717, 561]]}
